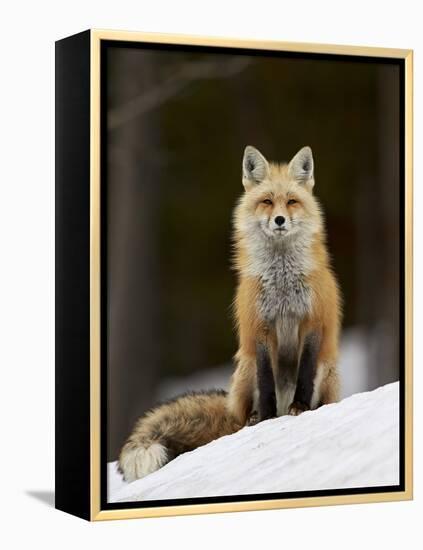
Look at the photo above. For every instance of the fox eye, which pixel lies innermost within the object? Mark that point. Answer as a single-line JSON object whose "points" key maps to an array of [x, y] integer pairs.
{"points": [[267, 201], [292, 201]]}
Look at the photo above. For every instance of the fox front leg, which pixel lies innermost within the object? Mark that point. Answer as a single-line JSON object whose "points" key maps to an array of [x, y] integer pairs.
{"points": [[306, 375], [265, 384]]}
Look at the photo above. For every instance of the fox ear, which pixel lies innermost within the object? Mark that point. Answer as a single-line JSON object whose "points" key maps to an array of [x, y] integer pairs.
{"points": [[301, 167], [255, 167]]}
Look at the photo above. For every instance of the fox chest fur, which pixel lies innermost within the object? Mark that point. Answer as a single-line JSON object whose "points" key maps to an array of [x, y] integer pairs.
{"points": [[284, 300], [285, 295]]}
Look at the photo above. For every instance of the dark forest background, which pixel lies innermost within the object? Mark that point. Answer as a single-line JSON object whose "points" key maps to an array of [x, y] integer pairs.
{"points": [[177, 124]]}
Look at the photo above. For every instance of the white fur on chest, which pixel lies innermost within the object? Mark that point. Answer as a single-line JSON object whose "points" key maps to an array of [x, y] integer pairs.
{"points": [[285, 299], [283, 274]]}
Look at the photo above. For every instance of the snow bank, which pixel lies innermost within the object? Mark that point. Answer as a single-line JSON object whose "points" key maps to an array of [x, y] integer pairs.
{"points": [[354, 443]]}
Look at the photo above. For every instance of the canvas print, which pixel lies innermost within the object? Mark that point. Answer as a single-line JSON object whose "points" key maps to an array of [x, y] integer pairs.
{"points": [[252, 270]]}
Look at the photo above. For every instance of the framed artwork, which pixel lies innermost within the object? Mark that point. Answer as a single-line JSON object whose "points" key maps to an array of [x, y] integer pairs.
{"points": [[233, 275]]}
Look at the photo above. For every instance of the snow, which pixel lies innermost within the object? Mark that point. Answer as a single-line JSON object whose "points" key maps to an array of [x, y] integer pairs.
{"points": [[354, 443]]}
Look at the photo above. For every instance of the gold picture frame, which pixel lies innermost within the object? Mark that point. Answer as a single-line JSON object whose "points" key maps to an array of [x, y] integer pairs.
{"points": [[88, 503]]}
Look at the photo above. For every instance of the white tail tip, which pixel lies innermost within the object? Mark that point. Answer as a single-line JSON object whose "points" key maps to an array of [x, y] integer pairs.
{"points": [[141, 461]]}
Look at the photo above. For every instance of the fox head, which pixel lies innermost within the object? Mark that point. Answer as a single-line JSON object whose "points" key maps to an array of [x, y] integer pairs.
{"points": [[278, 203]]}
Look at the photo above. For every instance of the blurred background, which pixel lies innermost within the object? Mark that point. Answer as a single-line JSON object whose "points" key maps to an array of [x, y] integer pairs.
{"points": [[178, 121]]}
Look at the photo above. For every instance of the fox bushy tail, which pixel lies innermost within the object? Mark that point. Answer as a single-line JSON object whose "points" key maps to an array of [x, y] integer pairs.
{"points": [[173, 428]]}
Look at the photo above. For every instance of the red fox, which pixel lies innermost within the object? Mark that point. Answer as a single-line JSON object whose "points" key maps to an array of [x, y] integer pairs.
{"points": [[287, 305], [287, 312]]}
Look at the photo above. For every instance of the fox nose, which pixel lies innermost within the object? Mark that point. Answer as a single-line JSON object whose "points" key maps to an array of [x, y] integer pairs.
{"points": [[279, 220]]}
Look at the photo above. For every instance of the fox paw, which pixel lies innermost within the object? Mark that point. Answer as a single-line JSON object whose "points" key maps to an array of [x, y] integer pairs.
{"points": [[253, 420], [296, 408]]}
